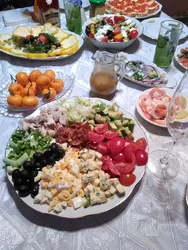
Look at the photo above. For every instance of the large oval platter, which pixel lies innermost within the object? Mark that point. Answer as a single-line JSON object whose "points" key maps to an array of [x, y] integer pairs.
{"points": [[9, 30], [70, 212]]}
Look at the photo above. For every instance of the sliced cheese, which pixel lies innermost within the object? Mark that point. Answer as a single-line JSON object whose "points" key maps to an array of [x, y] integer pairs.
{"points": [[18, 52], [21, 31], [56, 52], [5, 46], [60, 35], [49, 28], [36, 30], [4, 37], [69, 42], [71, 50], [37, 55]]}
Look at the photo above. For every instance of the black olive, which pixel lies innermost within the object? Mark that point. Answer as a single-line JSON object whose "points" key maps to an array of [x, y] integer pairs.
{"points": [[24, 174], [61, 153], [24, 190], [26, 41], [53, 146], [38, 165], [47, 153], [33, 174], [31, 38], [15, 174], [18, 182], [28, 165], [37, 156], [103, 22], [34, 190], [44, 162], [50, 160], [58, 44]]}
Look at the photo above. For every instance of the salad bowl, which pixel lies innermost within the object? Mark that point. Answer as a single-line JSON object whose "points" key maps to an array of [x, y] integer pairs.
{"points": [[128, 25]]}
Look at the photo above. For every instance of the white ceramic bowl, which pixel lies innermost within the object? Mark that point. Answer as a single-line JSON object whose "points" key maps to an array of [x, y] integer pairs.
{"points": [[112, 45]]}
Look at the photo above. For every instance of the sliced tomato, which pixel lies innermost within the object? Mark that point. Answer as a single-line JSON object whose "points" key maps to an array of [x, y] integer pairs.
{"points": [[113, 168], [141, 143], [109, 20], [28, 36], [101, 129], [105, 158], [116, 31], [43, 39], [141, 157], [116, 19], [102, 148], [122, 18], [133, 34], [128, 151], [94, 137], [91, 35], [116, 145], [109, 135], [125, 167], [117, 39], [119, 158], [105, 39], [127, 179]]}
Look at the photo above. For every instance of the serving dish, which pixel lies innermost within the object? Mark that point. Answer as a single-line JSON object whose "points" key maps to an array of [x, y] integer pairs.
{"points": [[111, 45], [140, 106], [140, 9], [65, 75], [178, 51], [152, 27], [70, 212], [169, 81], [54, 54]]}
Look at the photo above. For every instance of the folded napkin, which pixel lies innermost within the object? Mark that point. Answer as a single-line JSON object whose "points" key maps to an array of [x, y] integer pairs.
{"points": [[16, 17]]}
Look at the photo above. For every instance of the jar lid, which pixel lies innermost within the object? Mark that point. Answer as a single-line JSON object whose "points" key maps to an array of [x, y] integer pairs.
{"points": [[97, 2]]}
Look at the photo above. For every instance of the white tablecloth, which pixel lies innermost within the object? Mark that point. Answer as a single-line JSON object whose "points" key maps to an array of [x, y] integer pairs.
{"points": [[154, 217]]}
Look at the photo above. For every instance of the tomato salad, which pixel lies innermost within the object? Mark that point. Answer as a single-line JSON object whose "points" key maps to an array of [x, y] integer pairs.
{"points": [[112, 29]]}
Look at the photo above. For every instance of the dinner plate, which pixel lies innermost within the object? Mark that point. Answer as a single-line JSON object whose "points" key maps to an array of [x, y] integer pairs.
{"points": [[85, 4], [70, 212], [178, 52], [169, 92], [142, 17], [152, 27], [66, 75], [171, 81], [9, 30]]}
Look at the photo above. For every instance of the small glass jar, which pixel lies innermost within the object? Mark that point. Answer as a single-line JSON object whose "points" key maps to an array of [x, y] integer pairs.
{"points": [[97, 7]]}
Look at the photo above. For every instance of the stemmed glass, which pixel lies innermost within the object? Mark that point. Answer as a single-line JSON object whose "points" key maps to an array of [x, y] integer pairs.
{"points": [[164, 164]]}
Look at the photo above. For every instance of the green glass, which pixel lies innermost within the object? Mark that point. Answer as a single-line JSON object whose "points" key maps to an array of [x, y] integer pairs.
{"points": [[73, 15], [167, 42]]}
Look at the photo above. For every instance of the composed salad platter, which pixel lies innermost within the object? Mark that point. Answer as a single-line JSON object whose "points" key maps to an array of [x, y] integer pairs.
{"points": [[79, 172]]}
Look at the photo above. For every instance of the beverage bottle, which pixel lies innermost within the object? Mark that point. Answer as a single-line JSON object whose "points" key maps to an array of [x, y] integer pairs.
{"points": [[49, 10], [73, 15]]}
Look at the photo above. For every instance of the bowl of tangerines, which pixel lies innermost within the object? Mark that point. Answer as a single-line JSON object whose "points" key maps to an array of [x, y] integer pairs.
{"points": [[29, 90]]}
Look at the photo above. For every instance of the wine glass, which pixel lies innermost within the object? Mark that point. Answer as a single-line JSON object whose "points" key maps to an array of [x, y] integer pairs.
{"points": [[164, 164]]}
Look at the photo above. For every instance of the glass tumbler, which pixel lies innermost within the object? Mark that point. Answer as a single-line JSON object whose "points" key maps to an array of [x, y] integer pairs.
{"points": [[167, 42], [73, 15]]}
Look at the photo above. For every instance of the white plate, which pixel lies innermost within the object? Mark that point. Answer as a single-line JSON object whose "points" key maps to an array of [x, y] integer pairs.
{"points": [[171, 80], [85, 4], [178, 52], [169, 92], [97, 209], [112, 45], [9, 30], [152, 27], [143, 17], [66, 75]]}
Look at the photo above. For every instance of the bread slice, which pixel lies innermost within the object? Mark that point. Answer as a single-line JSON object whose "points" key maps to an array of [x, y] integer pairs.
{"points": [[21, 31], [60, 35], [69, 42], [4, 37], [36, 30], [49, 28]]}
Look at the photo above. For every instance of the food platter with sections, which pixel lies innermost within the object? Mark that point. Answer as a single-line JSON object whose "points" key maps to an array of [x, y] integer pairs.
{"points": [[181, 55], [70, 212], [139, 9]]}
